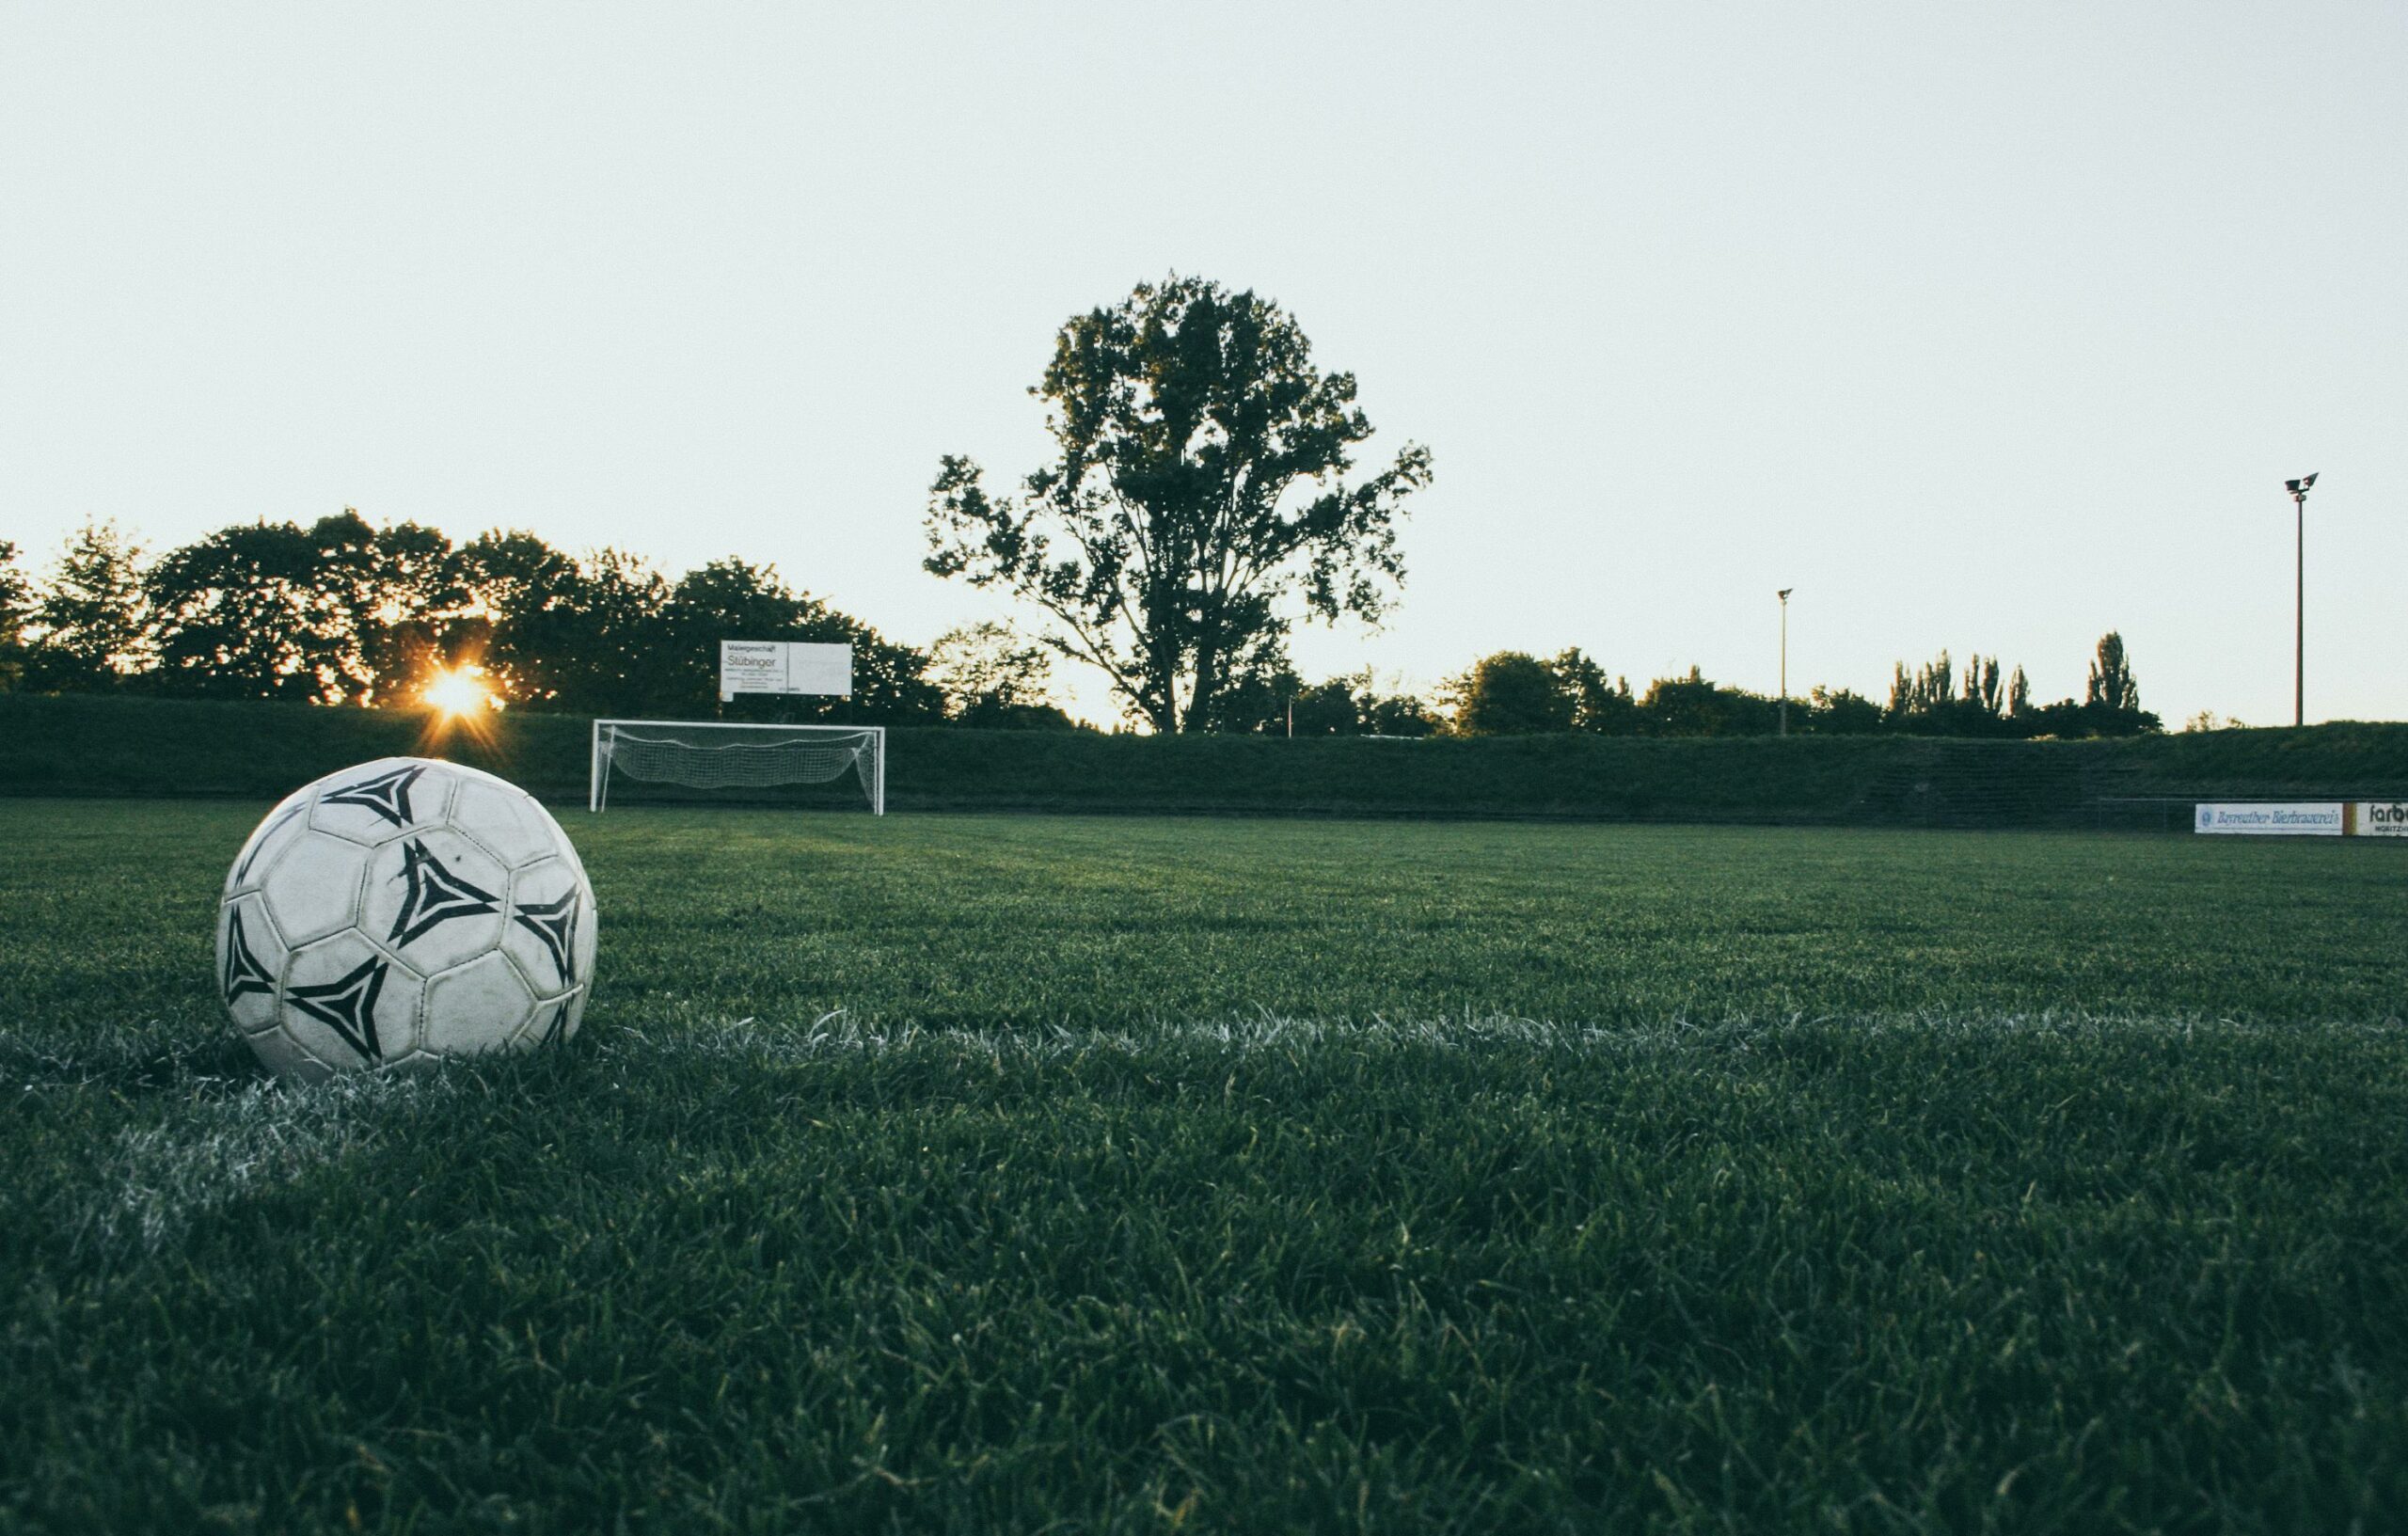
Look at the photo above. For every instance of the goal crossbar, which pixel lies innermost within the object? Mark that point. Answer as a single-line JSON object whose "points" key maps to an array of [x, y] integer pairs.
{"points": [[718, 754]]}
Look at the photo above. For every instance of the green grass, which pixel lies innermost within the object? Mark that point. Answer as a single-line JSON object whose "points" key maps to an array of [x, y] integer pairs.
{"points": [[990, 1173]]}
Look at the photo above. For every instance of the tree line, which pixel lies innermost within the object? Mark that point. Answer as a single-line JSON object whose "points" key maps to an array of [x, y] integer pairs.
{"points": [[343, 613], [1202, 500], [1514, 693]]}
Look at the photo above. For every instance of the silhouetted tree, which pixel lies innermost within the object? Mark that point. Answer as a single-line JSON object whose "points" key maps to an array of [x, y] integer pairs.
{"points": [[2112, 696], [995, 678], [1255, 688], [606, 642], [1984, 687], [2111, 685], [1199, 500], [1841, 712], [1400, 714], [1331, 707], [1694, 704], [519, 611], [1938, 700], [90, 623], [16, 607], [1924, 693], [238, 614], [1509, 693], [1599, 704], [411, 610]]}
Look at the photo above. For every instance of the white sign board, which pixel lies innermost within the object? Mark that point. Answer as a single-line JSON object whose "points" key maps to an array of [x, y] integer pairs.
{"points": [[784, 666], [2381, 818], [2274, 818]]}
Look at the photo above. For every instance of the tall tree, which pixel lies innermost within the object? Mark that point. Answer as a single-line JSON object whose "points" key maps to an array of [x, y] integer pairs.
{"points": [[1985, 689], [244, 613], [521, 594], [606, 638], [92, 620], [2112, 695], [1199, 499], [2111, 685], [589, 634], [410, 608]]}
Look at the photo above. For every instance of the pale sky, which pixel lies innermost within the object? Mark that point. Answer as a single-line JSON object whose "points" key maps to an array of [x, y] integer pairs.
{"points": [[1989, 327]]}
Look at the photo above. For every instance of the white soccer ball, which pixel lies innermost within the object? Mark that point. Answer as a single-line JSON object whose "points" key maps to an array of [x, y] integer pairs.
{"points": [[403, 912]]}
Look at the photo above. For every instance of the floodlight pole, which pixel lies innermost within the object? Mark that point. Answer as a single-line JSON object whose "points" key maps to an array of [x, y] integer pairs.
{"points": [[2299, 489], [1783, 595]]}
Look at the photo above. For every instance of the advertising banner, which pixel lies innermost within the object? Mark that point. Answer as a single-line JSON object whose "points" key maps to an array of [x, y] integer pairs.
{"points": [[2273, 819], [751, 666], [818, 668], [2381, 818], [782, 666]]}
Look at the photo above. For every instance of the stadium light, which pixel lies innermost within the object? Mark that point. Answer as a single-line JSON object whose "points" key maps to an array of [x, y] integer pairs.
{"points": [[2299, 489], [1783, 595]]}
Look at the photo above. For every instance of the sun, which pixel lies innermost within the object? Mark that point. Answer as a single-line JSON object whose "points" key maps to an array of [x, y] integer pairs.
{"points": [[456, 691]]}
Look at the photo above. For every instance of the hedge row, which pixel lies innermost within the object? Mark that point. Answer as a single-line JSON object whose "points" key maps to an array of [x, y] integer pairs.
{"points": [[137, 746]]}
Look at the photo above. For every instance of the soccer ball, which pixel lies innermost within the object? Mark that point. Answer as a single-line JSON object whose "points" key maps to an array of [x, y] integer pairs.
{"points": [[402, 912]]}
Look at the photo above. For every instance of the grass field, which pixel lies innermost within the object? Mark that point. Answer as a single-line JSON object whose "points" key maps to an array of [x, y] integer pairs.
{"points": [[989, 1174]]}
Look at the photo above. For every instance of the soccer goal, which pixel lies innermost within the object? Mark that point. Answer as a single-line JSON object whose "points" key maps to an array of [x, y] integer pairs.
{"points": [[711, 754]]}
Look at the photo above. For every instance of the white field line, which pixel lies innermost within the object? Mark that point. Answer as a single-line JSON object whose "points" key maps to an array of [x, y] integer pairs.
{"points": [[217, 1145], [155, 1180], [837, 1035]]}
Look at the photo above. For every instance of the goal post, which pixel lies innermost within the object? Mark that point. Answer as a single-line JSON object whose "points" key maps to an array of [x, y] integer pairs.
{"points": [[719, 754]]}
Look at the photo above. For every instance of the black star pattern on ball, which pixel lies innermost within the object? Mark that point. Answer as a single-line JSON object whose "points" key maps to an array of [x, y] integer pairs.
{"points": [[435, 895], [348, 1005], [555, 922], [243, 972], [387, 793]]}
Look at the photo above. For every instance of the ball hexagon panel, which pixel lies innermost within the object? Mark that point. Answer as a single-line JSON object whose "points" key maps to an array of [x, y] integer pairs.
{"points": [[504, 820], [556, 1020], [348, 1004], [312, 886], [561, 1017], [480, 1007], [434, 899], [250, 958], [289, 820], [551, 908], [390, 798]]}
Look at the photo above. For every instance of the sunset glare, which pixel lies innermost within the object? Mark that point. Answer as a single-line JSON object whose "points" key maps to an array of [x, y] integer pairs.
{"points": [[457, 692]]}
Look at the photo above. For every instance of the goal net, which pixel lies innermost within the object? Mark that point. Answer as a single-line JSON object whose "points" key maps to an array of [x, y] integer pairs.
{"points": [[709, 754]]}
